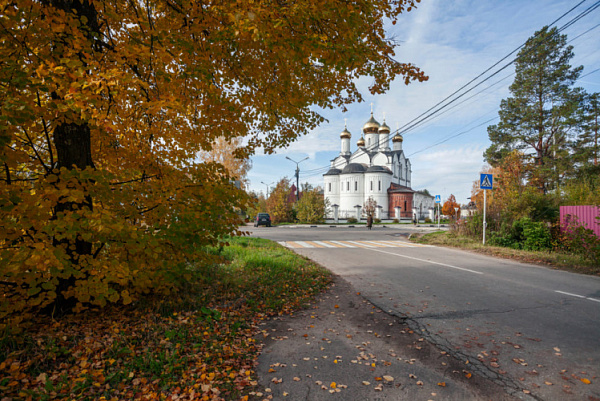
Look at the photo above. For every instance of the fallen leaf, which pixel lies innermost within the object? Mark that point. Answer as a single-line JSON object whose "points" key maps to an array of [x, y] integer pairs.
{"points": [[586, 381], [296, 379], [378, 379], [442, 384], [388, 378], [366, 383], [419, 383], [547, 383], [333, 385]]}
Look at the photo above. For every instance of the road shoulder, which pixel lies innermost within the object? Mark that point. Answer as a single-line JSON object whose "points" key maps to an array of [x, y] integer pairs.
{"points": [[343, 347]]}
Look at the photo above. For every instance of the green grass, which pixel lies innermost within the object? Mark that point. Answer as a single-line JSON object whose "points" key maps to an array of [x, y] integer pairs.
{"points": [[200, 339], [558, 260]]}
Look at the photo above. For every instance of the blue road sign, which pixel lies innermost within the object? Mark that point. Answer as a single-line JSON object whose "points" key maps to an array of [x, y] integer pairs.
{"points": [[438, 199], [486, 181]]}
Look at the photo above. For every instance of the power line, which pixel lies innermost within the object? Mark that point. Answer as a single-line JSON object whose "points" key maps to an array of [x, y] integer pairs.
{"points": [[406, 127], [418, 121]]}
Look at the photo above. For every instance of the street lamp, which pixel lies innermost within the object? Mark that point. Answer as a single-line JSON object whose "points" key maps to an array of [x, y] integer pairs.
{"points": [[268, 185], [456, 213], [297, 176]]}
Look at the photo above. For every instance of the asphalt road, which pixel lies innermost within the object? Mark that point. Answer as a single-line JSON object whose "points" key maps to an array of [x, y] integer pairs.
{"points": [[533, 330]]}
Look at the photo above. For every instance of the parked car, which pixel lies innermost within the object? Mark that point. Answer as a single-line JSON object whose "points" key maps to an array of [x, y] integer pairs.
{"points": [[262, 219]]}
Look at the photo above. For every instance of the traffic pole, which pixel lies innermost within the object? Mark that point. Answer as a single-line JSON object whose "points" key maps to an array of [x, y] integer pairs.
{"points": [[484, 206]]}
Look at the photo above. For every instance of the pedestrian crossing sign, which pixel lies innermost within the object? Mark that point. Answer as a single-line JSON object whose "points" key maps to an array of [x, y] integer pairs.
{"points": [[438, 199], [486, 181]]}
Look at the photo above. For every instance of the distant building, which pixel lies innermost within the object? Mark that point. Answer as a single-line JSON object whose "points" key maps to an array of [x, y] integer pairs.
{"points": [[374, 170]]}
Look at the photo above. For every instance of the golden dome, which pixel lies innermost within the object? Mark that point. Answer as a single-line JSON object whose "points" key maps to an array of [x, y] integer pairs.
{"points": [[371, 126], [384, 129], [397, 138], [360, 142], [345, 133]]}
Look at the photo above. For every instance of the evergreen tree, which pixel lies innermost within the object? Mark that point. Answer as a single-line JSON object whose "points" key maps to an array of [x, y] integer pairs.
{"points": [[539, 117], [586, 146]]}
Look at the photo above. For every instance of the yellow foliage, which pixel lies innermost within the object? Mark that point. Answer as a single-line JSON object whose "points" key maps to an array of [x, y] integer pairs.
{"points": [[107, 105]]}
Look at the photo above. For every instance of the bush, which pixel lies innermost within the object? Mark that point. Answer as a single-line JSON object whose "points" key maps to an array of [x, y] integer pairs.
{"points": [[575, 238], [537, 236], [428, 220], [396, 221], [523, 234], [376, 221], [351, 220]]}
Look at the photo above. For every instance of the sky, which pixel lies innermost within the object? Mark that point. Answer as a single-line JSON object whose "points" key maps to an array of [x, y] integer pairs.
{"points": [[453, 41]]}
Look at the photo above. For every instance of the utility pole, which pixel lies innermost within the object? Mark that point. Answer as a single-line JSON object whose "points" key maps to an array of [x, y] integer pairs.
{"points": [[297, 176]]}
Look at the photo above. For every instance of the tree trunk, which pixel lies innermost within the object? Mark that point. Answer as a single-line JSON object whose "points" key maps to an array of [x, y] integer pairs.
{"points": [[73, 149]]}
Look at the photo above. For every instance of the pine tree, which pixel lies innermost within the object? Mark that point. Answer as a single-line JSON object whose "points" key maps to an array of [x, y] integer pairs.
{"points": [[539, 117]]}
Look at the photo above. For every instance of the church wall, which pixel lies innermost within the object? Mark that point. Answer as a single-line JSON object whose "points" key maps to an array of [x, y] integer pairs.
{"points": [[376, 186], [360, 157], [405, 201], [332, 189], [379, 159], [351, 193]]}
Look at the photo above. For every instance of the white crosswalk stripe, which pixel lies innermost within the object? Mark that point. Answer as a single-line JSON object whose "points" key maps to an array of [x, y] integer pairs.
{"points": [[350, 244]]}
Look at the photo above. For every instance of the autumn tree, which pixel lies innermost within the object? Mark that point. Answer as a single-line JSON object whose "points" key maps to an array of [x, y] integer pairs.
{"points": [[369, 207], [312, 207], [225, 152], [539, 117], [449, 206], [257, 205], [105, 106], [279, 205]]}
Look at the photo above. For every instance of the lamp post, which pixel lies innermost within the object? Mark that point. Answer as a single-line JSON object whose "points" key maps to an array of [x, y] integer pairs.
{"points": [[297, 176], [456, 213], [268, 185]]}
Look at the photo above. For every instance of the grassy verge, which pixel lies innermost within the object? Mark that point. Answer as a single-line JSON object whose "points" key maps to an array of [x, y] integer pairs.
{"points": [[197, 344], [558, 260]]}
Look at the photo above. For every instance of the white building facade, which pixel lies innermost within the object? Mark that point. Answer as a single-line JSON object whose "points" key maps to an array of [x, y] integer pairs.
{"points": [[373, 170]]}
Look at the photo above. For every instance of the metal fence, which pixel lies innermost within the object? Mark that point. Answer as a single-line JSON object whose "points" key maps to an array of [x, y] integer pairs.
{"points": [[586, 216]]}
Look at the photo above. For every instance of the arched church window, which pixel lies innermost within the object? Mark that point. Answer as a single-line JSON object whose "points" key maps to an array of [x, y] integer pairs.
{"points": [[371, 185], [329, 187], [347, 185], [380, 185], [356, 185]]}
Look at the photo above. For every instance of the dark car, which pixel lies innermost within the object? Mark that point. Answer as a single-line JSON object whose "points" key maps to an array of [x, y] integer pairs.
{"points": [[262, 219]]}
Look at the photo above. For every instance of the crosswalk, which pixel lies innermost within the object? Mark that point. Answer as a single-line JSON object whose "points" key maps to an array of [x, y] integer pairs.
{"points": [[350, 244]]}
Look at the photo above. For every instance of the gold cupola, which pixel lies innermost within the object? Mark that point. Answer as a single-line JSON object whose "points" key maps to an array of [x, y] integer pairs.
{"points": [[371, 126]]}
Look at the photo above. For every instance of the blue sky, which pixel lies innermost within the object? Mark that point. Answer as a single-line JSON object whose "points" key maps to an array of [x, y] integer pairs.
{"points": [[453, 42]]}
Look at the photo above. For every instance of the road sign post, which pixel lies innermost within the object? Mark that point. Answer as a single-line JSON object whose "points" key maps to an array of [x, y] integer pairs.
{"points": [[438, 200], [486, 181]]}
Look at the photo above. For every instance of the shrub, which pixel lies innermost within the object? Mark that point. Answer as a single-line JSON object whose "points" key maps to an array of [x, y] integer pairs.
{"points": [[395, 221], [376, 221], [575, 238], [351, 220], [536, 235], [428, 220]]}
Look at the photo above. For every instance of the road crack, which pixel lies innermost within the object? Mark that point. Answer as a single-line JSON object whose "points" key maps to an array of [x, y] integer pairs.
{"points": [[511, 386]]}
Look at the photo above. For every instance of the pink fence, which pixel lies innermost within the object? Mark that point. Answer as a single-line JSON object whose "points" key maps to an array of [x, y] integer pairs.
{"points": [[586, 216]]}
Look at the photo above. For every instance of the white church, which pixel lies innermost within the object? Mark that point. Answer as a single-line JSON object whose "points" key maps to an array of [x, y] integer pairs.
{"points": [[374, 170]]}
